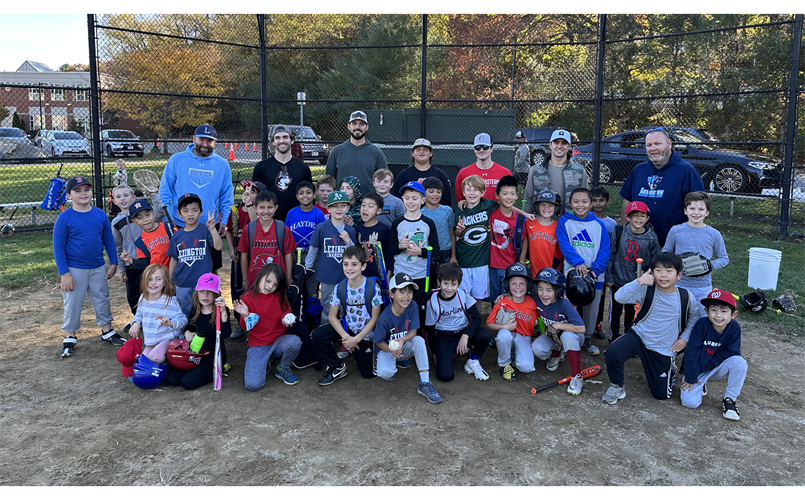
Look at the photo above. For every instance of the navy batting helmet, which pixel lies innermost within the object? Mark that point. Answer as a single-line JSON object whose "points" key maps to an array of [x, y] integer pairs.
{"points": [[147, 374], [514, 271], [580, 289], [554, 277]]}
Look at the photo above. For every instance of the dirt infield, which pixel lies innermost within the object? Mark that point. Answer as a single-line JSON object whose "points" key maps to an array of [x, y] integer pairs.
{"points": [[78, 422]]}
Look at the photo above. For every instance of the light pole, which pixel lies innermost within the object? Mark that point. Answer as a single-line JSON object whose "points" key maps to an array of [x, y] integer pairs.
{"points": [[300, 100]]}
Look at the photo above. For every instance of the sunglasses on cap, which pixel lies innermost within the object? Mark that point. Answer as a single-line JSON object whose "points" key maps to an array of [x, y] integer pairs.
{"points": [[657, 129], [481, 146]]}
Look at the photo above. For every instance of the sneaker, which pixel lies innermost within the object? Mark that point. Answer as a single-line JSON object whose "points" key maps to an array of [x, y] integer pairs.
{"points": [[427, 390], [508, 373], [704, 389], [227, 367], [590, 348], [127, 328], [236, 333], [111, 337], [404, 364], [599, 333], [67, 347], [552, 364], [334, 374], [613, 394], [286, 375], [574, 387], [474, 367], [300, 366], [730, 410]]}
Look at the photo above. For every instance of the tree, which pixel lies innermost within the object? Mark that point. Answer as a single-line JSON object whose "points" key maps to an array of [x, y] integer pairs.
{"points": [[73, 67], [3, 111], [17, 122]]}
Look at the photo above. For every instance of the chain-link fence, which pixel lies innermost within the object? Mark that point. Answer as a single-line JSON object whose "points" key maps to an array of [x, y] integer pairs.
{"points": [[719, 84]]}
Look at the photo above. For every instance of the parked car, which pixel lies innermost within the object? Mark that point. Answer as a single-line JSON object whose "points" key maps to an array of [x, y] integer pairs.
{"points": [[312, 147], [16, 151], [538, 139], [729, 171], [14, 134], [121, 142], [64, 143], [702, 133]]}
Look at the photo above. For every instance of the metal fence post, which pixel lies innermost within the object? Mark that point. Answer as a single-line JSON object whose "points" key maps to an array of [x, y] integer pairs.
{"points": [[599, 97], [95, 112], [791, 128], [261, 29], [423, 90]]}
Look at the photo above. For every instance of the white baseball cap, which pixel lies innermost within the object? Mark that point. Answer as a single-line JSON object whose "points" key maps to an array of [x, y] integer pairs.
{"points": [[357, 115], [561, 134]]}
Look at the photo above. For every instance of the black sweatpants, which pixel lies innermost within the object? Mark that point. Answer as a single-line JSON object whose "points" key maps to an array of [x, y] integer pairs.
{"points": [[324, 338], [659, 368], [307, 353], [198, 376], [133, 287], [615, 318], [444, 344]]}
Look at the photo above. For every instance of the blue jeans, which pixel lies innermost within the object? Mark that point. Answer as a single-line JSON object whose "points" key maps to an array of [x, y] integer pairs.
{"points": [[496, 283], [285, 348]]}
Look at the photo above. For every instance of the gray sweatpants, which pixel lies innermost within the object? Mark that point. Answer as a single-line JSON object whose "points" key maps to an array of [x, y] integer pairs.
{"points": [[327, 290], [590, 314], [733, 368], [386, 363], [88, 283]]}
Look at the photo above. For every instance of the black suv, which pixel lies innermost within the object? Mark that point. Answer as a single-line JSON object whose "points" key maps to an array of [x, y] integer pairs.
{"points": [[312, 146]]}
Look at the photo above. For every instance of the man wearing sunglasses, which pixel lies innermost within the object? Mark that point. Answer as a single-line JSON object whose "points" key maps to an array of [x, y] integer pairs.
{"points": [[282, 172], [488, 170], [661, 183], [558, 173]]}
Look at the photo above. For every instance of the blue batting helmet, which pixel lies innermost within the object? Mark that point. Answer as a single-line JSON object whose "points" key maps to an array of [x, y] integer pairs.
{"points": [[147, 374]]}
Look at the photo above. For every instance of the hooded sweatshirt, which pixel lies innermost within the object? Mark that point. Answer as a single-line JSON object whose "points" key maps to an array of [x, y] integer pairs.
{"points": [[209, 177], [622, 266], [361, 161], [584, 241], [355, 208]]}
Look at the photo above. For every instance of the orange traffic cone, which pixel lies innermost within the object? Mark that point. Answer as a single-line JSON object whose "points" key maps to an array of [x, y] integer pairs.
{"points": [[231, 154], [226, 145], [159, 144], [254, 147], [236, 145]]}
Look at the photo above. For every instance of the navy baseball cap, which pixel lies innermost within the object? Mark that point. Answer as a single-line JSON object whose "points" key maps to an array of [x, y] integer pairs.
{"points": [[413, 185], [548, 195], [207, 131], [76, 181], [138, 206], [186, 198]]}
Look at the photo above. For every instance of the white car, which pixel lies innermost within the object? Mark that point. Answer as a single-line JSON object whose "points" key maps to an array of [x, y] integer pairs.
{"points": [[121, 142], [65, 143]]}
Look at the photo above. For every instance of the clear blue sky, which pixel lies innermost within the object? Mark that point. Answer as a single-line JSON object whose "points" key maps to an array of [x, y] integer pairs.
{"points": [[53, 39]]}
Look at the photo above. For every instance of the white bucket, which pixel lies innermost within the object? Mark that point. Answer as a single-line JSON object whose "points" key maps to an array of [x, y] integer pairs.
{"points": [[764, 266]]}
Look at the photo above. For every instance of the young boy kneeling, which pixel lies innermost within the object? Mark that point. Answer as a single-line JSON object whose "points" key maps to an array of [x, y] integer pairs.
{"points": [[714, 352], [395, 336]]}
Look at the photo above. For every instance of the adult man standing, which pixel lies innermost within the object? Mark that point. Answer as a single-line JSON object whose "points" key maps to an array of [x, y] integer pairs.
{"points": [[661, 183], [488, 170], [522, 162], [356, 156], [282, 172], [558, 173], [422, 155], [198, 170]]}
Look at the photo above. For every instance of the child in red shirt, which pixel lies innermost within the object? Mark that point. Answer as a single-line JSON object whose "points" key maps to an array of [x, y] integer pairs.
{"points": [[504, 223]]}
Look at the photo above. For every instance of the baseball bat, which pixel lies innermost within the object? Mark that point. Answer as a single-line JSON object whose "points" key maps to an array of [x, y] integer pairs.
{"points": [[588, 372], [427, 270], [384, 280], [639, 273], [216, 369]]}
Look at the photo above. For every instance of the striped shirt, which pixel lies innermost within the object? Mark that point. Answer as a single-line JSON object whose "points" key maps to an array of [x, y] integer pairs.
{"points": [[153, 331]]}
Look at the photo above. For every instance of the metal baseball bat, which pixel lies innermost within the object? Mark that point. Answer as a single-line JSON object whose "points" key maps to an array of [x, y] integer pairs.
{"points": [[216, 369], [639, 267], [585, 373]]}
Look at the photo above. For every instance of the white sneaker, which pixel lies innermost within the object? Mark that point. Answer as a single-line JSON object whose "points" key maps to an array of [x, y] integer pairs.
{"points": [[552, 364], [574, 387], [473, 367]]}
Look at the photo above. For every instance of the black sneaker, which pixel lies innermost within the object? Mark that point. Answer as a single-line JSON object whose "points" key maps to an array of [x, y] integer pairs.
{"points": [[334, 374], [127, 328], [67, 347], [730, 411], [111, 337], [704, 389]]}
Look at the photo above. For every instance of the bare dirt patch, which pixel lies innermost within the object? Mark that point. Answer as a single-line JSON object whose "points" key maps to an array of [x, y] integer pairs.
{"points": [[78, 422]]}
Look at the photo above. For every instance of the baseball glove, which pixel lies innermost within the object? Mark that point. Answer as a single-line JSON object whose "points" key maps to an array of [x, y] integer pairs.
{"points": [[695, 264], [504, 316], [784, 303], [147, 181], [553, 334]]}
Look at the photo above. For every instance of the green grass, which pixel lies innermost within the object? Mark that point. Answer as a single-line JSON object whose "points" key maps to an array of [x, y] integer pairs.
{"points": [[27, 260]]}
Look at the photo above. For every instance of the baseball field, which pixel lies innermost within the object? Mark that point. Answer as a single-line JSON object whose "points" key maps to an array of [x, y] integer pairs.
{"points": [[77, 421]]}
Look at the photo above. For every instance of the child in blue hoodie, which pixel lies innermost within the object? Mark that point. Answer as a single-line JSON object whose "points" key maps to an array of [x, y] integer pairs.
{"points": [[584, 242]]}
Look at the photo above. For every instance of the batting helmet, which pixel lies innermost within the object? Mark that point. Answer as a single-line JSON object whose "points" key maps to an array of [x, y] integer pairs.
{"points": [[147, 374], [180, 356], [580, 290], [554, 277], [755, 301], [514, 271]]}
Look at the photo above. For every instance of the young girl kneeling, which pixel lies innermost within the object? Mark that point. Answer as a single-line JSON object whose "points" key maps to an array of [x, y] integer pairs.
{"points": [[158, 313]]}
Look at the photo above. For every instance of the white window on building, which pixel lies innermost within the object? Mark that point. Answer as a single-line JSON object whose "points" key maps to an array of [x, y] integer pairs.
{"points": [[80, 95], [34, 94], [59, 122], [56, 94], [38, 121]]}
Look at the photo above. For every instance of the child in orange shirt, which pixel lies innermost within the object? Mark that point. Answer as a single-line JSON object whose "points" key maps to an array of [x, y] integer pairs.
{"points": [[541, 247]]}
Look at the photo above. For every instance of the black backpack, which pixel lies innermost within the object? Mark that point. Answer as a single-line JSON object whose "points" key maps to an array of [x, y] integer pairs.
{"points": [[648, 301]]}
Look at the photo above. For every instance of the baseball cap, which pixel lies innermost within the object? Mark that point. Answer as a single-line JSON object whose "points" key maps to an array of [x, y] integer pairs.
{"points": [[413, 185], [337, 197], [280, 129], [358, 115], [187, 197], [207, 131], [139, 206], [127, 355], [547, 195], [422, 142], [483, 139], [561, 134], [209, 281], [637, 206], [244, 183], [519, 134], [719, 297], [76, 181], [401, 280]]}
